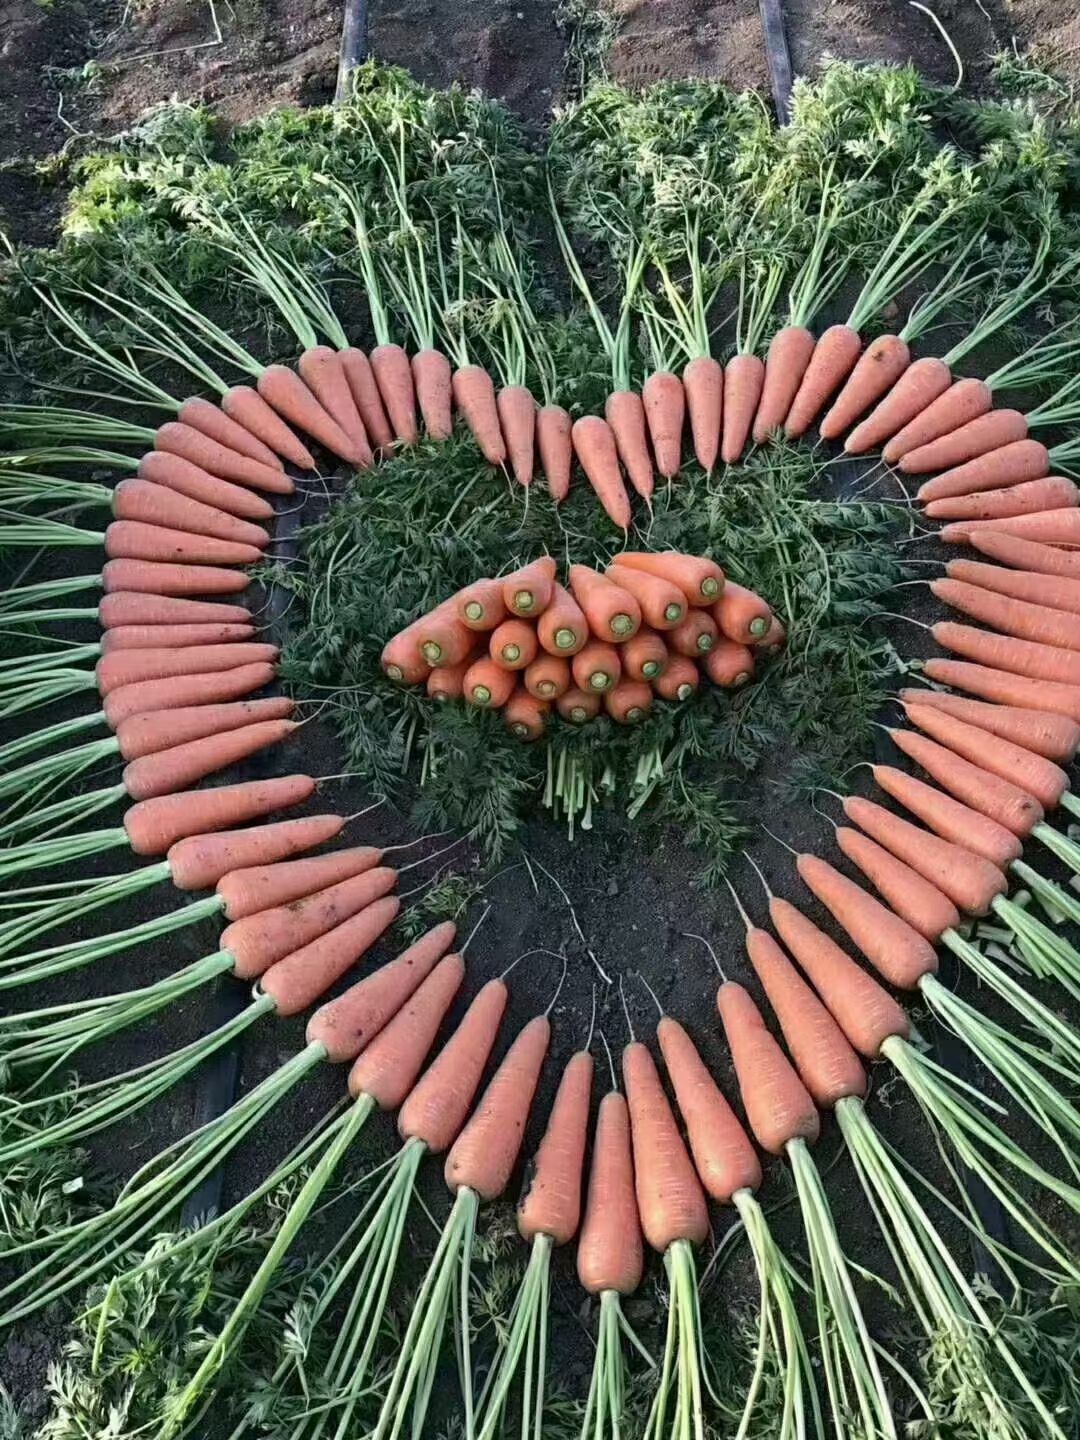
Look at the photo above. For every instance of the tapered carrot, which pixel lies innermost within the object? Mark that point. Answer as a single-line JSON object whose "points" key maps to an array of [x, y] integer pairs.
{"points": [[694, 636], [1054, 736], [834, 357], [176, 473], [525, 716], [916, 900], [596, 667], [1022, 618], [171, 637], [218, 425], [562, 629], [1033, 773], [487, 685], [126, 667], [393, 375], [665, 411], [218, 460], [447, 682], [255, 888], [1057, 592], [297, 980], [595, 448], [645, 656], [365, 392], [134, 540], [552, 1203], [949, 817], [625, 414], [744, 378], [294, 401], [773, 641], [200, 862], [1008, 465], [577, 705], [547, 677], [556, 447], [142, 697], [480, 605], [388, 1066], [741, 615], [977, 437], [150, 577], [1060, 526], [670, 1199], [1004, 687], [247, 407], [700, 580], [1002, 801], [154, 825], [322, 372], [513, 644], [629, 702], [474, 396], [878, 368], [919, 386], [1052, 493], [1024, 554], [609, 1252], [612, 612], [402, 660], [432, 378], [728, 664], [517, 417], [443, 639], [144, 734], [964, 400], [778, 1106], [528, 591], [158, 505], [1006, 652], [662, 603], [129, 607], [785, 365], [678, 680], [703, 383]]}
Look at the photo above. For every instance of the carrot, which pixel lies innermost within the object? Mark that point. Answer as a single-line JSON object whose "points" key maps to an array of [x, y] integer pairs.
{"points": [[695, 636], [474, 395], [517, 417], [148, 577], [789, 354], [612, 612], [878, 368], [625, 413], [1020, 618], [562, 628], [916, 900], [1005, 652], [1057, 592], [724, 1158], [254, 888], [142, 697], [260, 940], [629, 702], [774, 639], [180, 766], [487, 685], [551, 1205], [217, 424], [171, 637], [1024, 554], [1008, 465], [175, 473], [703, 383], [1052, 493], [977, 437], [609, 1252], [1033, 773], [387, 1067], [919, 386], [432, 379], [678, 680], [525, 716], [247, 407], [577, 705], [700, 580], [528, 591], [1054, 736], [128, 607], [1050, 527], [662, 604], [893, 947], [728, 664], [480, 605], [964, 400], [156, 505], [393, 376], [744, 379], [670, 1199], [594, 446], [999, 799], [596, 667], [322, 372], [664, 400], [154, 825], [294, 982], [286, 393], [126, 667], [834, 357], [741, 615], [778, 1106], [344, 1026], [442, 638], [553, 440], [1005, 688], [548, 677], [202, 861], [133, 540], [365, 392], [193, 445], [950, 818], [402, 659], [645, 656], [866, 1013], [483, 1156], [447, 682], [514, 644]]}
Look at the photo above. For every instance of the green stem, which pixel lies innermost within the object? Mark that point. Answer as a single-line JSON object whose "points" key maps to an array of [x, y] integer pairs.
{"points": [[84, 901], [16, 600], [64, 850], [65, 764], [519, 1345], [54, 819], [683, 1362]]}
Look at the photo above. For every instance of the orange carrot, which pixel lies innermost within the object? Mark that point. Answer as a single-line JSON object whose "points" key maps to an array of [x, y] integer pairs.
{"points": [[193, 445], [785, 365], [964, 400], [141, 735], [977, 437], [246, 406], [1057, 592], [528, 591], [402, 659], [744, 379], [700, 580], [670, 1199], [665, 410], [134, 540], [742, 615], [919, 386], [1024, 554], [1008, 465], [577, 705], [202, 861], [912, 897], [525, 716], [129, 607], [950, 818], [548, 677], [149, 577], [154, 825], [322, 372], [286, 392], [999, 799], [629, 702], [387, 1067], [645, 656], [176, 473], [126, 667], [703, 383], [662, 604], [487, 685], [432, 378], [393, 376], [553, 440], [206, 688], [1050, 527], [1051, 493], [447, 682], [1005, 688], [1054, 736], [596, 667], [594, 446], [255, 888], [1033, 773], [514, 644], [480, 605], [365, 392], [678, 680], [217, 424], [773, 641], [609, 1253], [728, 664], [778, 1106], [625, 413], [171, 637], [878, 368], [517, 417], [474, 395], [562, 628], [551, 1205], [443, 639], [157, 505], [1006, 652], [297, 980], [1021, 618], [612, 612], [695, 636], [834, 357]]}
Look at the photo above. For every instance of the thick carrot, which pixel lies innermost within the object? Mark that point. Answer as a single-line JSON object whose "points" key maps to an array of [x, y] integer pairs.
{"points": [[678, 680], [629, 702], [202, 861], [865, 1012], [175, 473], [447, 682], [365, 392], [525, 716], [625, 413], [487, 685], [322, 372], [949, 817], [1024, 554], [977, 437], [785, 365], [402, 659], [999, 799], [744, 379], [298, 980], [694, 636], [442, 638], [665, 411], [577, 705], [773, 641], [255, 888], [662, 604], [834, 357], [964, 400], [218, 424], [1052, 493], [919, 386], [513, 644], [474, 395], [1054, 736], [612, 612], [700, 580], [1005, 652], [134, 540], [483, 1156], [670, 1199], [547, 677], [609, 1252], [527, 592], [1008, 465], [1033, 773], [729, 664], [218, 460], [645, 656], [741, 615], [894, 948], [878, 368], [143, 697], [393, 376], [517, 418], [286, 393], [154, 825], [1057, 592], [180, 766], [562, 628], [724, 1158], [127, 667], [247, 407], [343, 1027], [908, 893], [480, 605], [148, 577], [551, 1205], [160, 730], [1005, 688], [432, 379], [703, 384], [778, 1106], [1060, 526], [594, 446], [156, 505], [1022, 618], [596, 667], [556, 447], [128, 607], [388, 1066], [171, 637]]}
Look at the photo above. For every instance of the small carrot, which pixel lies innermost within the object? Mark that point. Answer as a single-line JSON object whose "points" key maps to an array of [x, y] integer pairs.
{"points": [[612, 612], [517, 416], [577, 705], [153, 826], [964, 400], [695, 636], [834, 357], [432, 379], [703, 382], [977, 437], [562, 628], [662, 604], [160, 730], [365, 392], [129, 607], [1054, 736], [1002, 801], [548, 677], [152, 577], [556, 447], [1021, 461], [164, 637], [916, 901], [878, 368], [1033, 773], [525, 716], [699, 579], [321, 369], [609, 1253], [1057, 592], [126, 667], [678, 680], [219, 460], [447, 682], [728, 664], [595, 448], [286, 393], [202, 861], [551, 1205], [488, 685], [246, 406], [744, 379], [741, 615], [135, 540], [1023, 554], [596, 667], [443, 639], [664, 400], [1060, 526], [176, 473], [474, 396], [142, 697], [480, 605], [527, 592], [254, 888], [1005, 688], [393, 376], [778, 1106], [402, 659], [785, 365], [629, 702], [645, 656], [513, 644], [1005, 652], [950, 818], [773, 641], [625, 414], [1052, 493], [1022, 618], [158, 505], [218, 424], [919, 386], [670, 1199]]}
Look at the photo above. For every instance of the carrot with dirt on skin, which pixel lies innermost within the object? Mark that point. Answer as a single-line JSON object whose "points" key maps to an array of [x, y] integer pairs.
{"points": [[1005, 688], [433, 381], [442, 638], [629, 701], [480, 606], [547, 677], [248, 408], [528, 592], [1055, 737], [488, 685], [368, 400], [774, 639], [554, 441], [135, 540], [126, 667], [447, 682], [645, 656], [562, 629], [217, 459], [129, 607], [664, 401], [577, 705], [1031, 658], [596, 667], [1056, 592], [728, 664], [1021, 618], [741, 615], [402, 657], [513, 644], [221, 424], [994, 796], [1019, 463], [594, 446], [662, 603], [1024, 554], [744, 372], [909, 894], [612, 612], [1060, 526], [678, 680], [950, 818], [1034, 773], [525, 716], [877, 369], [172, 637], [394, 379], [181, 476], [1053, 493], [694, 636], [148, 577]]}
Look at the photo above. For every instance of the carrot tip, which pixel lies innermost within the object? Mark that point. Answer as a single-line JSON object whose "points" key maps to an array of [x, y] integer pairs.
{"points": [[578, 714], [674, 613], [474, 610], [481, 694], [621, 624], [565, 639], [710, 587], [599, 680], [634, 714], [684, 691], [705, 643], [524, 600], [758, 626], [395, 672], [650, 669]]}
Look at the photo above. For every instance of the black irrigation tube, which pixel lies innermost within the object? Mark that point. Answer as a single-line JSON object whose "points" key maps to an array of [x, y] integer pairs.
{"points": [[777, 56]]}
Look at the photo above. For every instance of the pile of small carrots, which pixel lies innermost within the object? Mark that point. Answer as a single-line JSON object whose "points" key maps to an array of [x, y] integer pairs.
{"points": [[649, 626]]}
